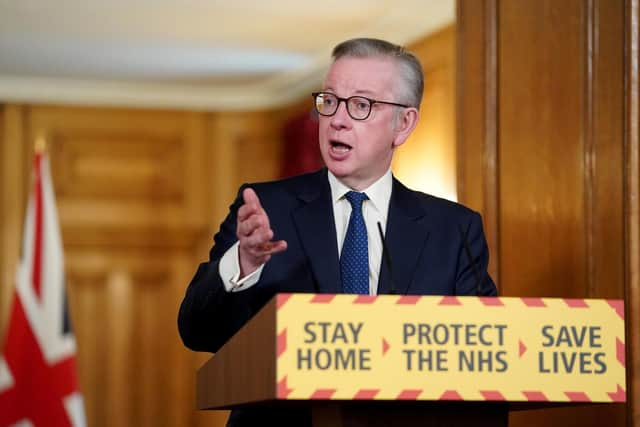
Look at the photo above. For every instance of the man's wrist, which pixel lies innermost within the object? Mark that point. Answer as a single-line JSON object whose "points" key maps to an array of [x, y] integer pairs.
{"points": [[229, 270]]}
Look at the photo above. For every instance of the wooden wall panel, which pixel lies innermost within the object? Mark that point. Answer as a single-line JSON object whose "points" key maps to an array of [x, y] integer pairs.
{"points": [[136, 168], [632, 204], [124, 306], [140, 194], [86, 295], [604, 153], [129, 203], [541, 116], [549, 77], [476, 135]]}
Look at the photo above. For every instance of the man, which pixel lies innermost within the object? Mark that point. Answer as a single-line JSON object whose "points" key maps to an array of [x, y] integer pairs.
{"points": [[325, 224]]}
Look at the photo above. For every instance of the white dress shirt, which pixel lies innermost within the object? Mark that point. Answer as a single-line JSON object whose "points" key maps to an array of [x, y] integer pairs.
{"points": [[374, 210]]}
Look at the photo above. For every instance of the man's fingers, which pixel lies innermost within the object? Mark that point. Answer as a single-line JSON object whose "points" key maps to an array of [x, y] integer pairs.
{"points": [[257, 239], [268, 248], [250, 197], [254, 231], [250, 206], [251, 224], [246, 211], [278, 246]]}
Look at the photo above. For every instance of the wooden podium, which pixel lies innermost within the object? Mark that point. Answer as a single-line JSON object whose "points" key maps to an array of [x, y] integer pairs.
{"points": [[410, 360]]}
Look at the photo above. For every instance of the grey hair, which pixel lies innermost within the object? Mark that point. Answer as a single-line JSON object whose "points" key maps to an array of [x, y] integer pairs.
{"points": [[410, 68]]}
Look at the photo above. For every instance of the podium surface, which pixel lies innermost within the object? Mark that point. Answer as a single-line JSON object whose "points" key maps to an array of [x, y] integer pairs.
{"points": [[364, 359]]}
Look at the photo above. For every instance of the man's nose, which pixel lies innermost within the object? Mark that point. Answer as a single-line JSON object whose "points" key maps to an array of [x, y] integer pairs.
{"points": [[341, 117]]}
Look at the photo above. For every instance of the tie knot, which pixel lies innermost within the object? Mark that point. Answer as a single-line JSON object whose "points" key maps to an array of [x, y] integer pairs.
{"points": [[356, 199]]}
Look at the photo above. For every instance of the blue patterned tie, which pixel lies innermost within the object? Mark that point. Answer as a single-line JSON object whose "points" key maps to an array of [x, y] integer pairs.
{"points": [[354, 258]]}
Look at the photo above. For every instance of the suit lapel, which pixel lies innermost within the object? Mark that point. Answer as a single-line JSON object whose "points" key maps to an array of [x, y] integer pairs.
{"points": [[316, 229], [406, 235]]}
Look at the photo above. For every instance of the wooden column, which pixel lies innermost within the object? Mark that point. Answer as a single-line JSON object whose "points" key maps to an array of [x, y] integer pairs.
{"points": [[548, 153], [477, 76], [632, 206]]}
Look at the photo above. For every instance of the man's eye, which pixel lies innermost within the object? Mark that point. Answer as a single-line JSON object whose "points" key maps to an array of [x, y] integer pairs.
{"points": [[361, 105], [328, 101]]}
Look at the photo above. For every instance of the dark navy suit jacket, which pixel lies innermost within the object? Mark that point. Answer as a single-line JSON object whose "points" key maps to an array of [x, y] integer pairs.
{"points": [[425, 237]]}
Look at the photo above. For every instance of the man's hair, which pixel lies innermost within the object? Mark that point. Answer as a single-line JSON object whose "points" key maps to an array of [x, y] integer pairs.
{"points": [[409, 66]]}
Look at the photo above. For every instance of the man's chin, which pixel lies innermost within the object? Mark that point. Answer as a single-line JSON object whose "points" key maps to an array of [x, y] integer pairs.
{"points": [[339, 172]]}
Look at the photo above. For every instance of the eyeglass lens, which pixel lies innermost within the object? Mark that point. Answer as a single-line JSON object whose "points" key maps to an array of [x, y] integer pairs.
{"points": [[357, 107]]}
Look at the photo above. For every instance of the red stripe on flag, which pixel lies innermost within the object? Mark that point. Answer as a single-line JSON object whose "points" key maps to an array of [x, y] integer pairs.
{"points": [[535, 396], [493, 395], [322, 298], [450, 395], [39, 386], [323, 393], [533, 302], [41, 383], [409, 394], [577, 396], [366, 394], [576, 303], [37, 247]]}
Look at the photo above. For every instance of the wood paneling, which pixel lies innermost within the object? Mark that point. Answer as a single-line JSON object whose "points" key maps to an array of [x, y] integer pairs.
{"points": [[632, 205], [477, 159], [139, 195], [136, 168], [256, 139], [541, 116], [129, 203], [549, 77], [605, 156]]}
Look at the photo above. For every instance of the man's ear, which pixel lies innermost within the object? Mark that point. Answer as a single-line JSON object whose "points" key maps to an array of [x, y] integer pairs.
{"points": [[404, 124]]}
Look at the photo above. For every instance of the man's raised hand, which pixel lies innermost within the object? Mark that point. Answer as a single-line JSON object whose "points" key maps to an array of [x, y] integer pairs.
{"points": [[254, 235]]}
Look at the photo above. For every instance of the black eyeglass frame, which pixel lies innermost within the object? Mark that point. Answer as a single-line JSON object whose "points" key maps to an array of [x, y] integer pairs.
{"points": [[346, 103]]}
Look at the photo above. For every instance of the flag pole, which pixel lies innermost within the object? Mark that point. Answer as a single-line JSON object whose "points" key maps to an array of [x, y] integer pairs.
{"points": [[41, 144]]}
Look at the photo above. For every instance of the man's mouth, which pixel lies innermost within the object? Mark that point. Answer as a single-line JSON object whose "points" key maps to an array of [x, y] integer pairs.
{"points": [[339, 147]]}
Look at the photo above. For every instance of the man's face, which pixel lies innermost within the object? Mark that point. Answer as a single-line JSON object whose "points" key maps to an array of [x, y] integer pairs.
{"points": [[359, 152]]}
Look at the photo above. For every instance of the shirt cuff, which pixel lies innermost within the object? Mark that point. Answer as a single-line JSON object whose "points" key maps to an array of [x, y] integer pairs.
{"points": [[229, 270]]}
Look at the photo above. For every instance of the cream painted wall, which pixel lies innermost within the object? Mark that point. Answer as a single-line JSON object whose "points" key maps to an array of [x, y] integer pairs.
{"points": [[427, 161]]}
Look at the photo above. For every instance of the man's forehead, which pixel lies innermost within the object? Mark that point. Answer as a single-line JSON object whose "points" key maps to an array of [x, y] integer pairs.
{"points": [[368, 75]]}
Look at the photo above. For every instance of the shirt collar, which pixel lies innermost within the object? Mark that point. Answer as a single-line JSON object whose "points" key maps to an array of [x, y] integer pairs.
{"points": [[379, 192]]}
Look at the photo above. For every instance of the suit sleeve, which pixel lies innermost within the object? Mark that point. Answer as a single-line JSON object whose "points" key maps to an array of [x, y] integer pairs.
{"points": [[473, 277], [209, 315]]}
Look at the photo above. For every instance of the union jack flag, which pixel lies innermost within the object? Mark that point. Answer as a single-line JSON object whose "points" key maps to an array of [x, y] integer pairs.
{"points": [[38, 383]]}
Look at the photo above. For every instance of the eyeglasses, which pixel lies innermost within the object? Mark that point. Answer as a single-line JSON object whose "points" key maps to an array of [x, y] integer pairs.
{"points": [[358, 107]]}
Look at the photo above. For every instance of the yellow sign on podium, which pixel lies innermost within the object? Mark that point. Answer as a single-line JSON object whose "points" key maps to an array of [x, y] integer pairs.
{"points": [[391, 347]]}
